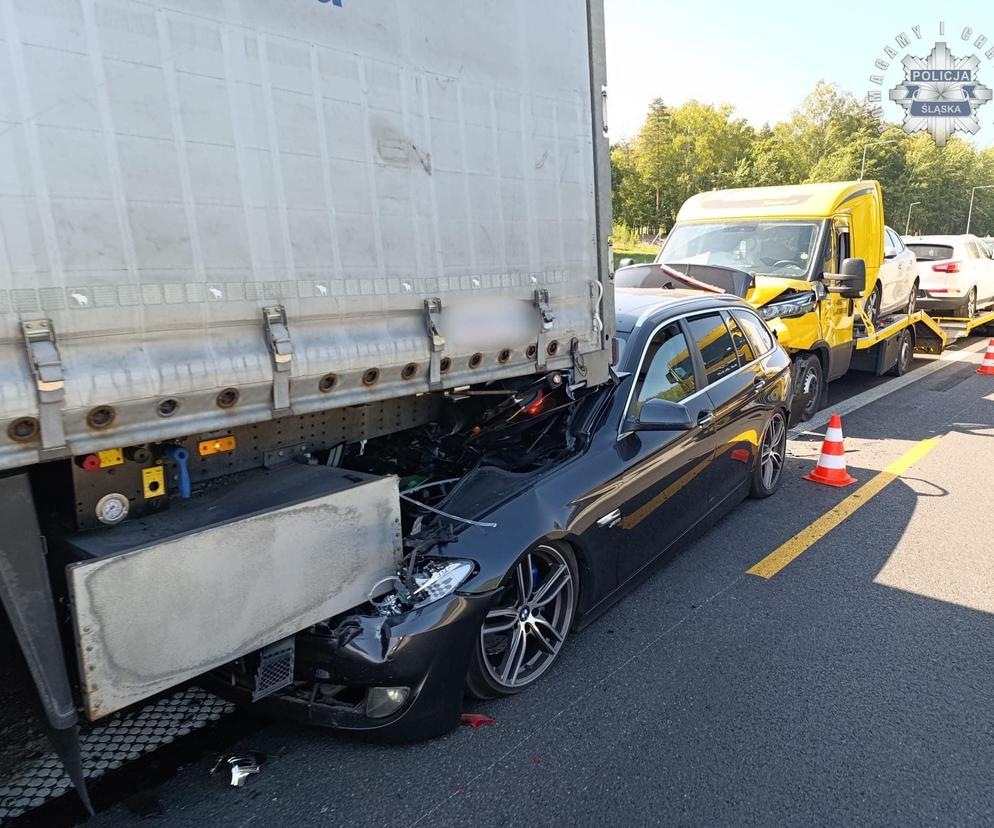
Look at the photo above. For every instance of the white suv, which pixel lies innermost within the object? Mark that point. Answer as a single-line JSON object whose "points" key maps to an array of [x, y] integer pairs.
{"points": [[956, 273]]}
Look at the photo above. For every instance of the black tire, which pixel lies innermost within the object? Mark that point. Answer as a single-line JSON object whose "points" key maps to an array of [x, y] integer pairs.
{"points": [[873, 303], [809, 387], [772, 455], [540, 629], [968, 309], [912, 305], [905, 355]]}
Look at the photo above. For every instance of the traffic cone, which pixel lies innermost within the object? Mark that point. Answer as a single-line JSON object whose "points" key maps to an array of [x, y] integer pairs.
{"points": [[831, 468], [987, 366]]}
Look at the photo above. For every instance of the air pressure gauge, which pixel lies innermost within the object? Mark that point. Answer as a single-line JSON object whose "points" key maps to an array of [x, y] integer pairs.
{"points": [[112, 508]]}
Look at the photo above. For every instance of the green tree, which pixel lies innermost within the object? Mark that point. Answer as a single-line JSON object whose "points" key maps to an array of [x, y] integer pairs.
{"points": [[695, 147]]}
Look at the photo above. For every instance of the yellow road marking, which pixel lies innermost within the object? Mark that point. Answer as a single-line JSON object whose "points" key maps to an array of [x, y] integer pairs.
{"points": [[803, 540]]}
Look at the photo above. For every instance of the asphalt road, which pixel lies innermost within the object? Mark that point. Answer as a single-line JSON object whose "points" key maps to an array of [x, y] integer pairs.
{"points": [[851, 686]]}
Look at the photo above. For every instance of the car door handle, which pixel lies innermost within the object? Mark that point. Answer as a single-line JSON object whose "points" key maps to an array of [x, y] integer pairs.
{"points": [[610, 519], [758, 383], [705, 419]]}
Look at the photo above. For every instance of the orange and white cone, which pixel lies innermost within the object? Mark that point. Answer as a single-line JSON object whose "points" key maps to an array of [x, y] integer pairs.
{"points": [[987, 366], [831, 468]]}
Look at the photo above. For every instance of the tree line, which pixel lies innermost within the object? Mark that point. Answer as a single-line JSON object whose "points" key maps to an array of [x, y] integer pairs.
{"points": [[687, 149]]}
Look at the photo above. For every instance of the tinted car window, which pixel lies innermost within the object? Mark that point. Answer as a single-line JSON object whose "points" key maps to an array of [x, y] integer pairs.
{"points": [[715, 344], [742, 344], [931, 252], [758, 334], [666, 372]]}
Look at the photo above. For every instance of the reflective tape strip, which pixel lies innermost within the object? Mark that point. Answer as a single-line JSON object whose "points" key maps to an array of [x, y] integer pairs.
{"points": [[833, 435], [832, 461]]}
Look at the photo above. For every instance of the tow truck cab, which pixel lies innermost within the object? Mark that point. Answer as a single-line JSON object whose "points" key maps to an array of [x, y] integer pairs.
{"points": [[800, 255]]}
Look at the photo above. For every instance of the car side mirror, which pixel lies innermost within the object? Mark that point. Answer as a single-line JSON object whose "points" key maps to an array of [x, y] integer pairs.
{"points": [[626, 262], [851, 279], [663, 415]]}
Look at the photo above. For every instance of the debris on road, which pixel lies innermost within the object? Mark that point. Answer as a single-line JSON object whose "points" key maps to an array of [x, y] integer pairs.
{"points": [[243, 765], [476, 720]]}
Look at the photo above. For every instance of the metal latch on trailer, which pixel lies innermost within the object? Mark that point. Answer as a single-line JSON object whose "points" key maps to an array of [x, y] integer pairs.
{"points": [[46, 365], [546, 318], [281, 349], [436, 342]]}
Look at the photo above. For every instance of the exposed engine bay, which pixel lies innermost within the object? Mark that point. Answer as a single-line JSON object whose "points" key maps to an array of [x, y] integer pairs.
{"points": [[485, 444]]}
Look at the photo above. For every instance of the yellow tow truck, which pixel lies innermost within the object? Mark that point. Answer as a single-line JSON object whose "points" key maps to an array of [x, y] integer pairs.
{"points": [[804, 256]]}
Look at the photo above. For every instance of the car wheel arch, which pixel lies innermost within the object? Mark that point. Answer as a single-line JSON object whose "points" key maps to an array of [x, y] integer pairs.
{"points": [[582, 554]]}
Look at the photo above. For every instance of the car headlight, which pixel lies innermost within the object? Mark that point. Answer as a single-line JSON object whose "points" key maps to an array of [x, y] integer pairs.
{"points": [[434, 579], [437, 579], [797, 304]]}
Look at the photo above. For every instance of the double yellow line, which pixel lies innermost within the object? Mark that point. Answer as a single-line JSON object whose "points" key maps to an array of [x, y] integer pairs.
{"points": [[807, 537]]}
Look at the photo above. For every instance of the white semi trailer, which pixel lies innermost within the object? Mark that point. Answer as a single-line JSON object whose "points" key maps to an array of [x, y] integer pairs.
{"points": [[237, 239]]}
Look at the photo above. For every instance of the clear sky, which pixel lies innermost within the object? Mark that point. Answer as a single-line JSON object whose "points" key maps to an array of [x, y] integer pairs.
{"points": [[764, 57]]}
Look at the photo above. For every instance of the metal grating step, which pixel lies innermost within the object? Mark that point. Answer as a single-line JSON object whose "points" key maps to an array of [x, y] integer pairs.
{"points": [[109, 746]]}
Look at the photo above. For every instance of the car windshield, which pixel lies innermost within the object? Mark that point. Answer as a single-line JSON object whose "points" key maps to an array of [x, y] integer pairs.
{"points": [[768, 248]]}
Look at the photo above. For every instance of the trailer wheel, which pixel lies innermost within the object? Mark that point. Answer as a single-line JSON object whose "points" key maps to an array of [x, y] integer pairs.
{"points": [[809, 387], [905, 355]]}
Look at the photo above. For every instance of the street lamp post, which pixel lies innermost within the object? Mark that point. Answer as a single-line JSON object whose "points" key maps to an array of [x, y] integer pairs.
{"points": [[862, 167], [973, 192], [907, 226]]}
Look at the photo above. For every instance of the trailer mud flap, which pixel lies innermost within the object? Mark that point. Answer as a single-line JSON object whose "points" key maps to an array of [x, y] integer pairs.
{"points": [[26, 595], [171, 596]]}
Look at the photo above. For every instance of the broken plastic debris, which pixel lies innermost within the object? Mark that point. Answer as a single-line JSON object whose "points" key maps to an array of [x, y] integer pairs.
{"points": [[476, 720], [242, 765]]}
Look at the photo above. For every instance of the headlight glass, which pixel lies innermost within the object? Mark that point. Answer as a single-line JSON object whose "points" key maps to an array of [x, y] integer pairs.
{"points": [[434, 579], [796, 305], [438, 579]]}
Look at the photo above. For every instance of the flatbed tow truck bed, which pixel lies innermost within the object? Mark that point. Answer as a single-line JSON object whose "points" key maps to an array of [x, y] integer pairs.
{"points": [[877, 349], [956, 327]]}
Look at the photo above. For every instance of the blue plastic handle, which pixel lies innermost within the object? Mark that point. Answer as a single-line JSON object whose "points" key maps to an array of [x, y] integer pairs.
{"points": [[179, 456]]}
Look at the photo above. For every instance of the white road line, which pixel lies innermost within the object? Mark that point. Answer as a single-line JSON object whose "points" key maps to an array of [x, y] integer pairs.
{"points": [[873, 394]]}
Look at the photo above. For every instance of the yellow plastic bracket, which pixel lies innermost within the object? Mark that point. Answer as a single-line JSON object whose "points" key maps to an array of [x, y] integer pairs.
{"points": [[153, 482], [110, 457]]}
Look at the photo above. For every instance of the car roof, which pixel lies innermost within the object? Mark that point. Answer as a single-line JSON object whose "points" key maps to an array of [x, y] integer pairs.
{"points": [[791, 201], [635, 304]]}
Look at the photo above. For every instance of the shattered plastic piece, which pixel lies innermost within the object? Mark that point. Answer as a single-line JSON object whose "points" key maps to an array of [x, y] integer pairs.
{"points": [[243, 765], [476, 720]]}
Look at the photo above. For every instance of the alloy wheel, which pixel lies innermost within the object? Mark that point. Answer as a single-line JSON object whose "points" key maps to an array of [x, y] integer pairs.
{"points": [[971, 304], [913, 299], [772, 451], [524, 632], [872, 306]]}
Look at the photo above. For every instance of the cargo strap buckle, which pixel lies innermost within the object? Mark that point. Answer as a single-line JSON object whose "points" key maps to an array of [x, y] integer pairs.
{"points": [[436, 342], [281, 348], [46, 365], [546, 317]]}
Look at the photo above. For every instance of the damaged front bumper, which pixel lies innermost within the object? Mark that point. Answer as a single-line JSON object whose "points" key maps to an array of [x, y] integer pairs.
{"points": [[338, 663]]}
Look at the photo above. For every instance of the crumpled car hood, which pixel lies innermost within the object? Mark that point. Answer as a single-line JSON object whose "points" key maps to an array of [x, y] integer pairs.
{"points": [[768, 288]]}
